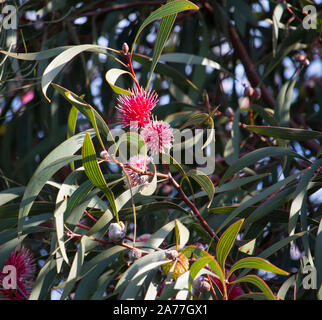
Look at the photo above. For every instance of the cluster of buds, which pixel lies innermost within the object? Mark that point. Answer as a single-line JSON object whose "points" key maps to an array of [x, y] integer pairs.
{"points": [[253, 93]]}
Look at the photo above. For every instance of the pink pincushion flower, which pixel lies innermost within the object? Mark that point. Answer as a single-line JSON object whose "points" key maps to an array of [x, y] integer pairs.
{"points": [[23, 262], [138, 162], [135, 109], [158, 136]]}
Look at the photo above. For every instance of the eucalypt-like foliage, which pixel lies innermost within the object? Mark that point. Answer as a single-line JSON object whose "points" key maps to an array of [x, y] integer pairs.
{"points": [[224, 279]]}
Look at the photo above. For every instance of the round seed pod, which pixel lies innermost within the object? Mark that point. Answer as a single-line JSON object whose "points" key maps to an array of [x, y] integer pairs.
{"points": [[201, 284], [135, 254]]}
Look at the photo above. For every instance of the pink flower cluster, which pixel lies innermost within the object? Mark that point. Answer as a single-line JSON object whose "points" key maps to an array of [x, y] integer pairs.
{"points": [[135, 112]]}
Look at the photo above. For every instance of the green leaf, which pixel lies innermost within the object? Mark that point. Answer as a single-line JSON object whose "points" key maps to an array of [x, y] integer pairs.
{"points": [[44, 280], [60, 61], [240, 182], [255, 156], [300, 195], [88, 111], [137, 280], [226, 242], [134, 140], [280, 244], [259, 197], [150, 188], [286, 133], [158, 237], [10, 194], [204, 181], [256, 263], [200, 264], [111, 77], [75, 268], [266, 114], [94, 173], [277, 14], [128, 275], [277, 216], [193, 59], [36, 183], [269, 206], [283, 103], [259, 283], [71, 127], [285, 287], [41, 55], [166, 25], [178, 78], [182, 235], [165, 10], [59, 221]]}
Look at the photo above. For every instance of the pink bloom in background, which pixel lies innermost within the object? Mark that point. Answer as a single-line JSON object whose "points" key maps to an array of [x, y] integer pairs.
{"points": [[143, 237], [135, 110], [137, 162], [27, 97], [158, 136], [23, 261], [233, 293]]}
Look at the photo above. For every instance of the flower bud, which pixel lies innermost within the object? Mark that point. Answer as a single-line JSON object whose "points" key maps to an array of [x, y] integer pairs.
{"points": [[201, 284], [116, 231], [104, 155], [125, 48], [171, 254]]}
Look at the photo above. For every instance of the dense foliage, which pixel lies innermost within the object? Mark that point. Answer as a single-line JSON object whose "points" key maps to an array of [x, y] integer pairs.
{"points": [[100, 199]]}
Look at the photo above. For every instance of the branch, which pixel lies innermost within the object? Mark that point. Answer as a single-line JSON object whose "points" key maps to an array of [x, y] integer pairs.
{"points": [[251, 72]]}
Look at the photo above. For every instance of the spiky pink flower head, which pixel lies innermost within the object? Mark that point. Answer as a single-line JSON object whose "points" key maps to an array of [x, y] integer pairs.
{"points": [[135, 110], [139, 162], [158, 136], [23, 262]]}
